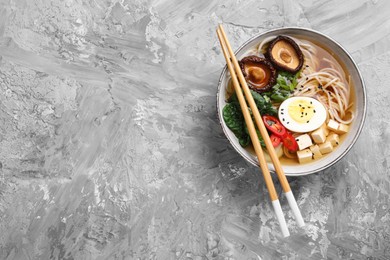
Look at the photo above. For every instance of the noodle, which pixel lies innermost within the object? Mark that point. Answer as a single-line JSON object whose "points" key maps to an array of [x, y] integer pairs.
{"points": [[327, 84], [263, 43]]}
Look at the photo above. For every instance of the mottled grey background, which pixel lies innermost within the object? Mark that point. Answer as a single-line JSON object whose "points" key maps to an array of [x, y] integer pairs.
{"points": [[110, 146]]}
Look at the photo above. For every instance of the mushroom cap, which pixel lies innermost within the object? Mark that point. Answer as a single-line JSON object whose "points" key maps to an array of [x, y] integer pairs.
{"points": [[259, 73], [285, 54]]}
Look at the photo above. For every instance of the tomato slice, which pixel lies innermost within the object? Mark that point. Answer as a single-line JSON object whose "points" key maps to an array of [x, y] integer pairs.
{"points": [[273, 125], [290, 143], [275, 140]]}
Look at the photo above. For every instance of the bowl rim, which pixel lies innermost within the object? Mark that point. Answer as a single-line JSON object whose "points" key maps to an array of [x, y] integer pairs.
{"points": [[348, 55]]}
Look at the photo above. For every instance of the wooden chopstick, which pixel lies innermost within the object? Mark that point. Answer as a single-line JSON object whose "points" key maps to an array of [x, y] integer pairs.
{"points": [[230, 58], [255, 140], [251, 128]]}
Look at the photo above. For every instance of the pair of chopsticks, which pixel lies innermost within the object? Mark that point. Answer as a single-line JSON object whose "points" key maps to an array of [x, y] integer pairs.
{"points": [[235, 71]]}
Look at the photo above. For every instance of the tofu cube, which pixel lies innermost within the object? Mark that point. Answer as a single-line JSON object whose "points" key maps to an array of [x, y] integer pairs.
{"points": [[325, 129], [333, 125], [303, 141], [315, 149], [318, 136], [342, 129], [325, 147], [333, 139], [304, 156]]}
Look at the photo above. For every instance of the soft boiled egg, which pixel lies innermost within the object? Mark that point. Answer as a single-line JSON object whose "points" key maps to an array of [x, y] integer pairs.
{"points": [[302, 114]]}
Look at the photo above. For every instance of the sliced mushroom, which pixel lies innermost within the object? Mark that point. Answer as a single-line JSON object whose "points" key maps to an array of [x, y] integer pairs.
{"points": [[259, 73], [285, 54]]}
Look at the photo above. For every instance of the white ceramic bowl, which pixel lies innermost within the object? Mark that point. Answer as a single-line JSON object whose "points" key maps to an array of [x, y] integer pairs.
{"points": [[359, 90]]}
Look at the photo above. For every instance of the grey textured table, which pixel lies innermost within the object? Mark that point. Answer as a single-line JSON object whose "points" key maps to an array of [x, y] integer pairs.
{"points": [[110, 146]]}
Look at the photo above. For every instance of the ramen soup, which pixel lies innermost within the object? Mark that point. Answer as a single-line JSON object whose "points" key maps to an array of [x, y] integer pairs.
{"points": [[303, 94]]}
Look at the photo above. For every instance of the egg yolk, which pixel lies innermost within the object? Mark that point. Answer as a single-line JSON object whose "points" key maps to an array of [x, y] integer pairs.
{"points": [[301, 111]]}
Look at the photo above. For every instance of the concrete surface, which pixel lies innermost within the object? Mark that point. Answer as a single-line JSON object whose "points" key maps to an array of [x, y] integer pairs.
{"points": [[111, 147]]}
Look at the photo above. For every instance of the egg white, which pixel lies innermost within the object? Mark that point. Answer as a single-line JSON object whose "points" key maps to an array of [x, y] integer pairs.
{"points": [[315, 122]]}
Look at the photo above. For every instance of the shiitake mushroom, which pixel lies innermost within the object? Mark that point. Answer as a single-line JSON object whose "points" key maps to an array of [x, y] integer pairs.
{"points": [[285, 54], [259, 73]]}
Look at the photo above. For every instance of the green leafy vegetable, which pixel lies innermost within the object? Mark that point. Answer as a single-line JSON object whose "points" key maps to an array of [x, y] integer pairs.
{"points": [[234, 119], [264, 105], [285, 85]]}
